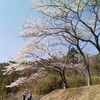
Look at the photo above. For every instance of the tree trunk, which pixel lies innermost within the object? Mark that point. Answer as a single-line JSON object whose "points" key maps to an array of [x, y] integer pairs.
{"points": [[86, 62], [89, 80], [64, 81]]}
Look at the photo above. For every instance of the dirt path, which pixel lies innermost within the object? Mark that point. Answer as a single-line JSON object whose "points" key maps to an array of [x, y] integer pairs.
{"points": [[36, 97]]}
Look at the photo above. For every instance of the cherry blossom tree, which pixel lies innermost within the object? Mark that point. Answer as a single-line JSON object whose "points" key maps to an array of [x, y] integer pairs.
{"points": [[77, 21], [44, 39], [74, 22], [77, 18]]}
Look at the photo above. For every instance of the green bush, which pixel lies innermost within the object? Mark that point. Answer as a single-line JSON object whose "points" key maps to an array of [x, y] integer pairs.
{"points": [[2, 90], [53, 82], [82, 81], [95, 80], [73, 82], [12, 90], [50, 83]]}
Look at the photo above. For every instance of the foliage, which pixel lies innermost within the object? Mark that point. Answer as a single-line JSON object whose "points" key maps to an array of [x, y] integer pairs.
{"points": [[76, 82], [50, 83], [95, 63], [72, 55], [7, 79], [95, 80]]}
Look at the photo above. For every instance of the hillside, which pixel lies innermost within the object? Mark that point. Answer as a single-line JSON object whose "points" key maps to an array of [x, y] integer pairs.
{"points": [[28, 70], [14, 75], [82, 93]]}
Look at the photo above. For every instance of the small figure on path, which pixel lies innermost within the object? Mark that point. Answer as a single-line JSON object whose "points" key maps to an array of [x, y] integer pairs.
{"points": [[29, 96], [23, 96]]}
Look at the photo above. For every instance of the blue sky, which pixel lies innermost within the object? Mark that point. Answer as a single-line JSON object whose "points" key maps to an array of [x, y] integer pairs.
{"points": [[12, 15]]}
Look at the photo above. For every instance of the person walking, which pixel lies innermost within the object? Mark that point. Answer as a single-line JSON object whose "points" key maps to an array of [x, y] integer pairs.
{"points": [[29, 96], [25, 95]]}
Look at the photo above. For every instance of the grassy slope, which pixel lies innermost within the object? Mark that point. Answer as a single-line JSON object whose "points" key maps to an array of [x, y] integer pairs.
{"points": [[82, 93]]}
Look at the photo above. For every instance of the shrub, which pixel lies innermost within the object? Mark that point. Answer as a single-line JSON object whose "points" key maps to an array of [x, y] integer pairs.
{"points": [[73, 82], [95, 80], [53, 82], [50, 83]]}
